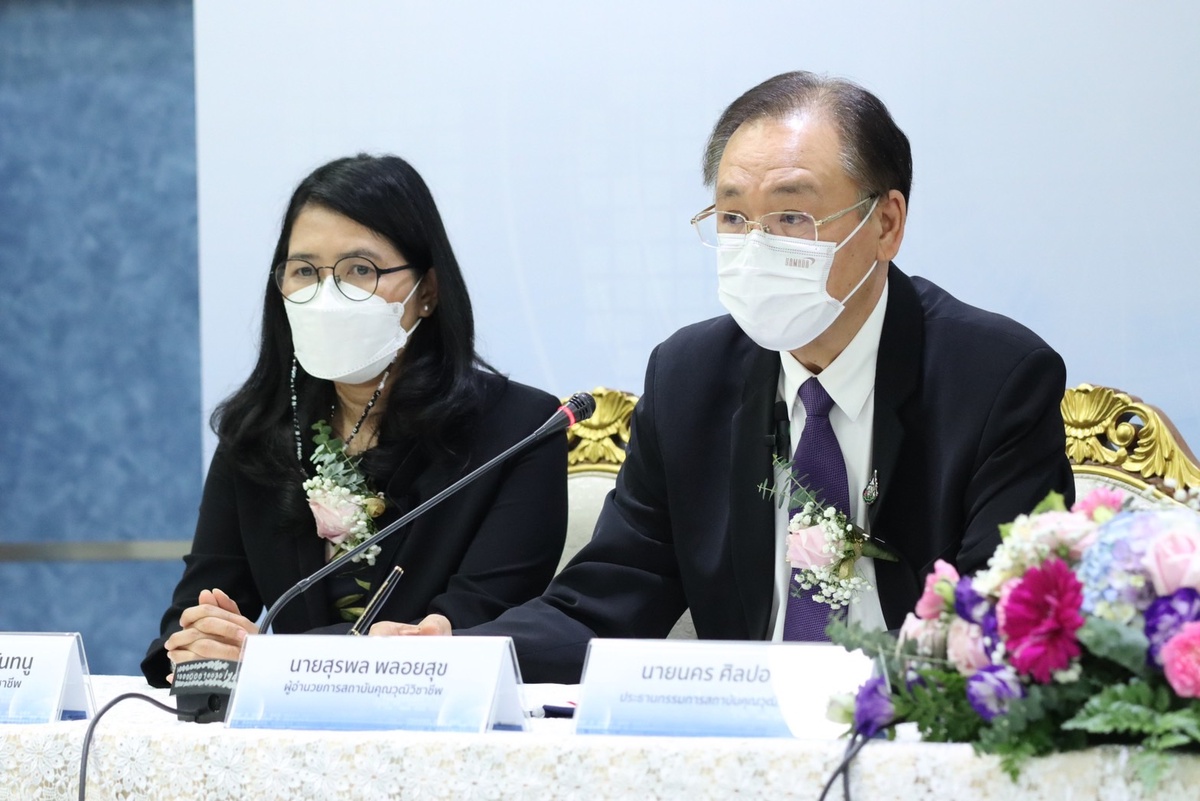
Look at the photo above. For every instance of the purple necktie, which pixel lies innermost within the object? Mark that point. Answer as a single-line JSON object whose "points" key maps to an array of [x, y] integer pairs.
{"points": [[819, 466]]}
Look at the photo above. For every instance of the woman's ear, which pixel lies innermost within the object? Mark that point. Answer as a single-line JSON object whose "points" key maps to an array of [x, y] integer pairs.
{"points": [[427, 293]]}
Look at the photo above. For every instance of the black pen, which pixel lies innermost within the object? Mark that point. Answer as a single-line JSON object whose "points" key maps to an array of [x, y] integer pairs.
{"points": [[371, 610]]}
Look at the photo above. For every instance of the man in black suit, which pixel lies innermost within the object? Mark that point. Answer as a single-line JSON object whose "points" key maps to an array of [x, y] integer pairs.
{"points": [[947, 416]]}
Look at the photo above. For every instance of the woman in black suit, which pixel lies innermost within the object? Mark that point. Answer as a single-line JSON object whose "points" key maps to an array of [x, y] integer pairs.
{"points": [[367, 329]]}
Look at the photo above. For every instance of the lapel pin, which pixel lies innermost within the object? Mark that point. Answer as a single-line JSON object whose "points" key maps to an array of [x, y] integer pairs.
{"points": [[871, 491]]}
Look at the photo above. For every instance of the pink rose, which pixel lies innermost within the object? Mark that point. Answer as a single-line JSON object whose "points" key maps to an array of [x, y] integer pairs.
{"points": [[937, 598], [1173, 561], [929, 635], [1181, 661], [964, 647], [805, 548], [1059, 530], [1100, 504], [1075, 549], [334, 516]]}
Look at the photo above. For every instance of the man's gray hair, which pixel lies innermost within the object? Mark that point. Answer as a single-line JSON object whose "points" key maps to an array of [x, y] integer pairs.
{"points": [[875, 152]]}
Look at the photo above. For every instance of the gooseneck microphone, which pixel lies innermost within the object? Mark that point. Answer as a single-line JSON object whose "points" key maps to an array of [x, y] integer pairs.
{"points": [[202, 687], [579, 406]]}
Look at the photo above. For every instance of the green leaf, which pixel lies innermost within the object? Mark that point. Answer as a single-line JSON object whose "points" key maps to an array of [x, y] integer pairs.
{"points": [[351, 613], [1152, 714], [877, 550], [1051, 503], [939, 707], [854, 637], [1150, 766], [1167, 741], [342, 603], [1033, 725], [1121, 644]]}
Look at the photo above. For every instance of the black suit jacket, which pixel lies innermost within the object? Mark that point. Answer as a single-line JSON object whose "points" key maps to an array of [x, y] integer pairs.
{"points": [[493, 545], [967, 435]]}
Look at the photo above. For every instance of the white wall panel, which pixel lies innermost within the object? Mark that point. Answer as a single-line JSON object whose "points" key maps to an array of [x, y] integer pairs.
{"points": [[1056, 179]]}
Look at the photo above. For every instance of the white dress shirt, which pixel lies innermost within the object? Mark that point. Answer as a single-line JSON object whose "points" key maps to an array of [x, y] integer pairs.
{"points": [[850, 381]]}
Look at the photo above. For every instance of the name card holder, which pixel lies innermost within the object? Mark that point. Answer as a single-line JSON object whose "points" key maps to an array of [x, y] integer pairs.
{"points": [[298, 681], [715, 688], [44, 678]]}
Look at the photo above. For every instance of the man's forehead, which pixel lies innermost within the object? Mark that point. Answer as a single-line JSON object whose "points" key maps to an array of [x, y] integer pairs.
{"points": [[795, 156], [785, 183]]}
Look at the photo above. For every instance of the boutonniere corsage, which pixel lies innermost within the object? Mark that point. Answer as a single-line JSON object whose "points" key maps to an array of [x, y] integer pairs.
{"points": [[342, 503], [823, 544]]}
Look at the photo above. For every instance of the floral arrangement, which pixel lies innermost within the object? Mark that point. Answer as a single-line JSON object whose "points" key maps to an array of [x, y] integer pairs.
{"points": [[824, 545], [343, 505], [1083, 629]]}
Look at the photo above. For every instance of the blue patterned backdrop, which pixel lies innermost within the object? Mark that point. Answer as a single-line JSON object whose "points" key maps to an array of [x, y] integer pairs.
{"points": [[99, 346]]}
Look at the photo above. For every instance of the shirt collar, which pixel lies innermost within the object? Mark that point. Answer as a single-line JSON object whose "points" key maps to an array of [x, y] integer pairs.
{"points": [[850, 378]]}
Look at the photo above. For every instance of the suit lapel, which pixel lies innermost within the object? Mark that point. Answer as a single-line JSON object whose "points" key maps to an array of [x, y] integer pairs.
{"points": [[751, 526], [896, 377], [414, 482]]}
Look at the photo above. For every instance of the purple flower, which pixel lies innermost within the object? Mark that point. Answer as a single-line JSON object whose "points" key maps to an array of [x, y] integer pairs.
{"points": [[969, 604], [991, 632], [991, 688], [873, 708], [1166, 616]]}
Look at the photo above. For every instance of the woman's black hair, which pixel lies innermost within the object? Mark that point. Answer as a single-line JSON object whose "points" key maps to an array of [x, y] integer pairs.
{"points": [[436, 389]]}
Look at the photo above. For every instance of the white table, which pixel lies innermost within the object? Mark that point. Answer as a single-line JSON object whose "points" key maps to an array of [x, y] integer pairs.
{"points": [[140, 752]]}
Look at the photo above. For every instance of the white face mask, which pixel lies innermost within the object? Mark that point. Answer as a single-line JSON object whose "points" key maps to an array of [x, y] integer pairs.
{"points": [[350, 341], [777, 288]]}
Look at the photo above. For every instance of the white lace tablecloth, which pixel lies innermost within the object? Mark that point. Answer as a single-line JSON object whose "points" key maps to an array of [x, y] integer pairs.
{"points": [[142, 753]]}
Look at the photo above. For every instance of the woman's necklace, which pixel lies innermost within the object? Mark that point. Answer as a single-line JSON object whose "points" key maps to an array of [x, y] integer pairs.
{"points": [[361, 419]]}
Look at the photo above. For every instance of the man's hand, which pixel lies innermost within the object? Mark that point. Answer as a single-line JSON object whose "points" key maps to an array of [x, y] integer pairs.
{"points": [[432, 625]]}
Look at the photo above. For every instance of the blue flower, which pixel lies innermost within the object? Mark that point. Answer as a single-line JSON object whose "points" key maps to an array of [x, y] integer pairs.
{"points": [[1165, 616], [991, 688], [873, 708], [1115, 586]]}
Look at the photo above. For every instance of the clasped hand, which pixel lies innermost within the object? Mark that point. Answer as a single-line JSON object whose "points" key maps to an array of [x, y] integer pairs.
{"points": [[213, 629]]}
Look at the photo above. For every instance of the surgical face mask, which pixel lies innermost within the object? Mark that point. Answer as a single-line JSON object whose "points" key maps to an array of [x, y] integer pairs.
{"points": [[777, 288], [349, 341]]}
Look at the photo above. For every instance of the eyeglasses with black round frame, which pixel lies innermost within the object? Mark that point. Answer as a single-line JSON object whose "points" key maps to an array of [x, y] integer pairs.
{"points": [[356, 277]]}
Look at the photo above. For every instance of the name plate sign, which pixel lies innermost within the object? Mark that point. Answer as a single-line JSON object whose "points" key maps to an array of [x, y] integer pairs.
{"points": [[44, 678], [715, 688], [298, 681]]}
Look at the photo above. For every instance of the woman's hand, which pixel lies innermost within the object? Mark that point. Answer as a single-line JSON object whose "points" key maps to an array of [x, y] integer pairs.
{"points": [[213, 629], [433, 625]]}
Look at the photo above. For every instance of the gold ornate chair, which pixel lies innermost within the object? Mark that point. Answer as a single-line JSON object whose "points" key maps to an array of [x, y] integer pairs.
{"points": [[596, 451], [1116, 440]]}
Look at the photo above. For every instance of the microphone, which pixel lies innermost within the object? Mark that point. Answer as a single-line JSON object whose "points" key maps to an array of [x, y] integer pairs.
{"points": [[782, 437], [577, 408]]}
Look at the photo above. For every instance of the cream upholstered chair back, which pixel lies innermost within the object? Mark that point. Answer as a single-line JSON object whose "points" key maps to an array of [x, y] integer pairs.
{"points": [[1115, 440], [596, 451]]}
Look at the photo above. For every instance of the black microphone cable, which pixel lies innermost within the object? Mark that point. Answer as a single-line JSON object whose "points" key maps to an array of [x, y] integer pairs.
{"points": [[87, 735]]}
